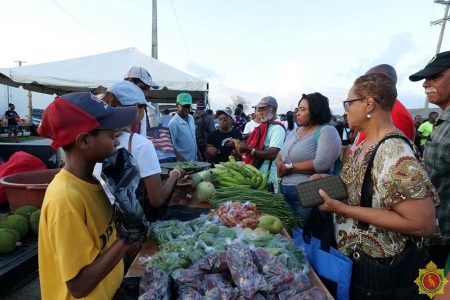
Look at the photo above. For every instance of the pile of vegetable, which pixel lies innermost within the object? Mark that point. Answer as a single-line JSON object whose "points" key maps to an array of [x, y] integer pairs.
{"points": [[266, 202], [231, 174], [235, 214], [203, 259], [184, 243], [187, 165]]}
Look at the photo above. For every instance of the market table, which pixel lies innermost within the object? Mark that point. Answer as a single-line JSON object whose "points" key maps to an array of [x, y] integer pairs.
{"points": [[151, 246]]}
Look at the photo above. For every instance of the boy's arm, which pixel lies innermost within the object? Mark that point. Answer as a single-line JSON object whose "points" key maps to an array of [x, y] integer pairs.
{"points": [[91, 275]]}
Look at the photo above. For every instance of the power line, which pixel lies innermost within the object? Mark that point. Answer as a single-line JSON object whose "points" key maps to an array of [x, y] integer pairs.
{"points": [[181, 33], [82, 25]]}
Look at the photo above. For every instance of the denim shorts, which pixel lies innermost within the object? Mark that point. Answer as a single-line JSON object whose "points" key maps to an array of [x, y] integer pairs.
{"points": [[290, 195]]}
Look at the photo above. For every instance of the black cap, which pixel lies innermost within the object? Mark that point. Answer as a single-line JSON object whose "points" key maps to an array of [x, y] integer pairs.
{"points": [[439, 63]]}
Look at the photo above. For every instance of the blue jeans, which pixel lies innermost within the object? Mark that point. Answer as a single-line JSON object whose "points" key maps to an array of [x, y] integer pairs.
{"points": [[290, 195]]}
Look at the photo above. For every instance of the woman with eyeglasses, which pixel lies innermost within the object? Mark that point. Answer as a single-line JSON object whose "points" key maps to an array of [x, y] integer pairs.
{"points": [[126, 93], [379, 237], [311, 148]]}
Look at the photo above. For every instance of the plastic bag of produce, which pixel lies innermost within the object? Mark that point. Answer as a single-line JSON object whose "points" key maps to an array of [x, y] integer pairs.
{"points": [[275, 272], [235, 214], [315, 293], [155, 284], [214, 262], [167, 262], [244, 272], [217, 287], [298, 284], [185, 292], [192, 277]]}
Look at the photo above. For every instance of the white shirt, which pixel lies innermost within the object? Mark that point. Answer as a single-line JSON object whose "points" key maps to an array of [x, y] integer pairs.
{"points": [[250, 126]]}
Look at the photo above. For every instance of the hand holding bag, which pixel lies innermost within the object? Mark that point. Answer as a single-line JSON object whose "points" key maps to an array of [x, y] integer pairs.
{"points": [[118, 172]]}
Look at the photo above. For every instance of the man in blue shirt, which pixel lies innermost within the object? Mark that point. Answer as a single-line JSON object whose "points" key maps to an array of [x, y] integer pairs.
{"points": [[182, 130]]}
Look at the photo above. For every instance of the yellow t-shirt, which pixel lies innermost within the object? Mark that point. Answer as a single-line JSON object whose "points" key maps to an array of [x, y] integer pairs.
{"points": [[76, 226]]}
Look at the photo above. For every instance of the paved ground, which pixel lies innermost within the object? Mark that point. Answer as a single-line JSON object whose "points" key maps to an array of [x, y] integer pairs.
{"points": [[30, 291]]}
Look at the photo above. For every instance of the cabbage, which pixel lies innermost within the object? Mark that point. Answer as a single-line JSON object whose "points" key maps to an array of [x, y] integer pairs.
{"points": [[206, 175], [196, 178], [204, 191]]}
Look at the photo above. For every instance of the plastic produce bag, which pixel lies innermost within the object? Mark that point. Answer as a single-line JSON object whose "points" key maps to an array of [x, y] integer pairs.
{"points": [[273, 270], [298, 284], [244, 272], [214, 262], [155, 284], [118, 172]]}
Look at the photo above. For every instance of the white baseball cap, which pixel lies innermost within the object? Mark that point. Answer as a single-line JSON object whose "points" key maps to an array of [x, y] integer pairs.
{"points": [[142, 74]]}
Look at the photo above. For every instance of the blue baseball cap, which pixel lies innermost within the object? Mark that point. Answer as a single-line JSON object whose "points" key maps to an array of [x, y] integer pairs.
{"points": [[127, 93]]}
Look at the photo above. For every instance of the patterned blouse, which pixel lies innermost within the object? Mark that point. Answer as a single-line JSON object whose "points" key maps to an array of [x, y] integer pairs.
{"points": [[397, 175]]}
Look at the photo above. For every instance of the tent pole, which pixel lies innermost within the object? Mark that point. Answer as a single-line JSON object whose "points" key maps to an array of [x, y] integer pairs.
{"points": [[30, 107]]}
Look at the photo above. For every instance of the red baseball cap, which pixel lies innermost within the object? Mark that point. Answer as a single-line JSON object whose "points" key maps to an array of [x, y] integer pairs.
{"points": [[72, 114]]}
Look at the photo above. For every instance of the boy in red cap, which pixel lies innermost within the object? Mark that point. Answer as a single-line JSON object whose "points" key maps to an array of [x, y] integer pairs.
{"points": [[80, 248]]}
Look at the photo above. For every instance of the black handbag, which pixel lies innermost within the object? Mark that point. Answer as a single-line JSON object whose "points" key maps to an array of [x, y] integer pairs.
{"points": [[394, 279]]}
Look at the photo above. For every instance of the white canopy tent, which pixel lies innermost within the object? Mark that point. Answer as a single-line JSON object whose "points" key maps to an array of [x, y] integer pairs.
{"points": [[103, 70]]}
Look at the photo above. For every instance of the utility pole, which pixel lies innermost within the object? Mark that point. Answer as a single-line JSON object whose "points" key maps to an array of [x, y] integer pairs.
{"points": [[441, 22], [20, 62], [154, 29]]}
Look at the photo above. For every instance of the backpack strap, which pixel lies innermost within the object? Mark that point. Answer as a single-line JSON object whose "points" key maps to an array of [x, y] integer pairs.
{"points": [[367, 185], [317, 133]]}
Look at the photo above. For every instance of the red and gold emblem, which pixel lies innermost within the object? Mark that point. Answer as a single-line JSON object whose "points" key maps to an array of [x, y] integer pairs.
{"points": [[431, 280]]}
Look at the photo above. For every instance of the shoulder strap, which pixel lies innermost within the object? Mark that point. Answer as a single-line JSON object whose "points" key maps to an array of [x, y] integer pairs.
{"points": [[367, 185], [130, 142], [317, 133]]}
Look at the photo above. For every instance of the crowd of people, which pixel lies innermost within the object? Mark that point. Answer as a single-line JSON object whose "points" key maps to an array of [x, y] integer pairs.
{"points": [[408, 197]]}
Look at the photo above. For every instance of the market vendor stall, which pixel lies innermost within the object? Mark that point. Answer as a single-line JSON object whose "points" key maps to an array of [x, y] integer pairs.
{"points": [[156, 261], [151, 252]]}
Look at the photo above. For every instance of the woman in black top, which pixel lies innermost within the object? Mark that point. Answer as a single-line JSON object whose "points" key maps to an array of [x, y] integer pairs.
{"points": [[218, 147]]}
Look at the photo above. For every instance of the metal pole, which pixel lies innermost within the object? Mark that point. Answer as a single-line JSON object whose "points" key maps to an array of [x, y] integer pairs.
{"points": [[30, 107], [154, 29]]}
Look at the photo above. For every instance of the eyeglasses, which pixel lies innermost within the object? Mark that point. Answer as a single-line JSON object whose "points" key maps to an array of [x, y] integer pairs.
{"points": [[264, 108], [347, 103]]}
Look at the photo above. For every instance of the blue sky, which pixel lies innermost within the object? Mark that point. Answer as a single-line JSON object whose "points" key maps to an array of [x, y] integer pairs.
{"points": [[250, 48]]}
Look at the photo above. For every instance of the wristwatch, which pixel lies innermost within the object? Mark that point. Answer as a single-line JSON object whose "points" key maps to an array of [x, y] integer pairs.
{"points": [[289, 166]]}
